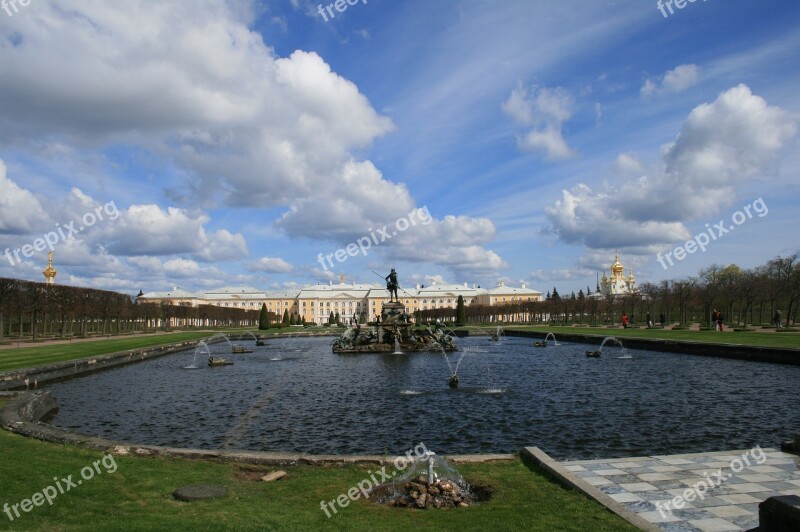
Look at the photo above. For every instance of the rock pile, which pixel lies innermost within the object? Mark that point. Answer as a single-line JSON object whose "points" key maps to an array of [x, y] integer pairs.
{"points": [[420, 494]]}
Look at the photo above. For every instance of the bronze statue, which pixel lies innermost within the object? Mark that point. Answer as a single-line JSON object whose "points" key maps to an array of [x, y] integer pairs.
{"points": [[392, 285]]}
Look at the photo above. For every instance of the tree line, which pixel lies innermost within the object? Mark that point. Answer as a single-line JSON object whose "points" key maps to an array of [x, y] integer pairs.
{"points": [[745, 297], [36, 310]]}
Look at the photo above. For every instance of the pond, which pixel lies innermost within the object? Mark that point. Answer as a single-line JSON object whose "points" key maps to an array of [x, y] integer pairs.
{"points": [[296, 395]]}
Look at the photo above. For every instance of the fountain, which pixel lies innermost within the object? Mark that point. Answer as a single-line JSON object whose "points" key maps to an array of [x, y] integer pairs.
{"points": [[220, 335], [430, 482], [544, 343], [496, 336], [598, 352], [392, 333], [200, 344]]}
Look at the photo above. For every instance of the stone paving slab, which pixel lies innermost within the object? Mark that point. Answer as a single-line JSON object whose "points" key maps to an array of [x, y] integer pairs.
{"points": [[705, 492]]}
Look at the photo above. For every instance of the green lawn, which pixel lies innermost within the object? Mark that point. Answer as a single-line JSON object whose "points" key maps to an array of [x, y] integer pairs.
{"points": [[790, 340], [137, 496], [27, 357]]}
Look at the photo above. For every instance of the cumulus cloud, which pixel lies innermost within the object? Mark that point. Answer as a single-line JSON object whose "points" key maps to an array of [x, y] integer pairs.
{"points": [[673, 81], [20, 211], [271, 265], [199, 91], [721, 145], [151, 230], [456, 242], [545, 110]]}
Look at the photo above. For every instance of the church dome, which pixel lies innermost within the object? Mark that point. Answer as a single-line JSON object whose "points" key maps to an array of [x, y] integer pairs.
{"points": [[617, 267]]}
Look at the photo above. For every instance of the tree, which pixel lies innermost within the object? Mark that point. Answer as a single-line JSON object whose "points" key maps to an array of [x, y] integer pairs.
{"points": [[8, 288], [331, 319], [285, 317], [338, 319], [263, 318], [461, 312]]}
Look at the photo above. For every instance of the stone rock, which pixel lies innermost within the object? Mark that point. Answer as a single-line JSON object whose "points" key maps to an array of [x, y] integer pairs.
{"points": [[199, 492], [122, 450], [275, 475], [422, 500]]}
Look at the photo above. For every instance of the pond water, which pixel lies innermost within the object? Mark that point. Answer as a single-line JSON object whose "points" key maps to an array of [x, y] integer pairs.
{"points": [[296, 395]]}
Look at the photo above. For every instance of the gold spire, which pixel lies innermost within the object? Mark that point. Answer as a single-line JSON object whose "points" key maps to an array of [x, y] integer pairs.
{"points": [[50, 272], [631, 278]]}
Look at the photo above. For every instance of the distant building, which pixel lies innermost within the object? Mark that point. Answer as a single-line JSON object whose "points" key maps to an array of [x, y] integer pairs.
{"points": [[315, 303], [617, 284]]}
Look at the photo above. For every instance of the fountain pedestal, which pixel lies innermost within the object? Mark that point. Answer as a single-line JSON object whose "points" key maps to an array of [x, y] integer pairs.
{"points": [[395, 331]]}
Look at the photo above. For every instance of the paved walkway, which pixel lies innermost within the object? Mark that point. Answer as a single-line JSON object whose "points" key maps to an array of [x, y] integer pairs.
{"points": [[738, 480]]}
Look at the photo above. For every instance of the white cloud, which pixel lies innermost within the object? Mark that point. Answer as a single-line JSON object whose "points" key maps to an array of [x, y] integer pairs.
{"points": [[546, 110], [198, 90], [722, 145], [150, 230], [271, 265], [628, 165], [673, 81], [20, 211]]}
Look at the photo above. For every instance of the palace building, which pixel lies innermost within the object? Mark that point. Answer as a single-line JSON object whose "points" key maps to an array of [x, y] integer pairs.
{"points": [[316, 302]]}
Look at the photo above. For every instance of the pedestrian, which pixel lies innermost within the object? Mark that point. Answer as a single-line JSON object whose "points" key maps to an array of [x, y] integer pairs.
{"points": [[715, 320], [663, 319], [777, 320], [649, 321], [624, 320], [719, 321]]}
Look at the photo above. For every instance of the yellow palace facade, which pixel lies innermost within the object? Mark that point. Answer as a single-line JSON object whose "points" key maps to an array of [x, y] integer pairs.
{"points": [[315, 303]]}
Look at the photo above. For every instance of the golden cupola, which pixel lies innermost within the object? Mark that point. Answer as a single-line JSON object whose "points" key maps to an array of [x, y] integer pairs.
{"points": [[631, 278], [617, 270], [50, 272]]}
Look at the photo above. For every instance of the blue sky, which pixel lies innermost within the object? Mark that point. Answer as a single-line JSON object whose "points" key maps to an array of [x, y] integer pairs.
{"points": [[239, 143]]}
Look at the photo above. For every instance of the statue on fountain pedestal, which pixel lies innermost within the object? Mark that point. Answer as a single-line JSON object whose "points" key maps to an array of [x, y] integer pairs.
{"points": [[392, 285]]}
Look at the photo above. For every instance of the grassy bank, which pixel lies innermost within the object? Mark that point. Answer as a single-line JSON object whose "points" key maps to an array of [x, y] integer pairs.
{"points": [[764, 339], [137, 496], [27, 357]]}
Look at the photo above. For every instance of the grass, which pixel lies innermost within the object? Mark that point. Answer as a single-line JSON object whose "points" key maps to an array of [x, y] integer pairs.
{"points": [[28, 357], [788, 340], [137, 496]]}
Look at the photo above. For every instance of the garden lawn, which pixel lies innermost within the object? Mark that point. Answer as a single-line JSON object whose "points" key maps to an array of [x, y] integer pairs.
{"points": [[137, 496], [760, 339], [28, 357]]}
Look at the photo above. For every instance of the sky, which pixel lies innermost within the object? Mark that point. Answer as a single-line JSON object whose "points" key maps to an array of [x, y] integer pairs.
{"points": [[202, 144]]}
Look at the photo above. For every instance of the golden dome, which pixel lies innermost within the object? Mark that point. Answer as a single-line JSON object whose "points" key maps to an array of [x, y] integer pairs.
{"points": [[631, 278], [49, 272], [617, 267]]}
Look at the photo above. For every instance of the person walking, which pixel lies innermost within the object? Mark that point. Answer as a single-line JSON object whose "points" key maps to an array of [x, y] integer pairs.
{"points": [[715, 320], [719, 322], [777, 320], [663, 319], [649, 321], [624, 320]]}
